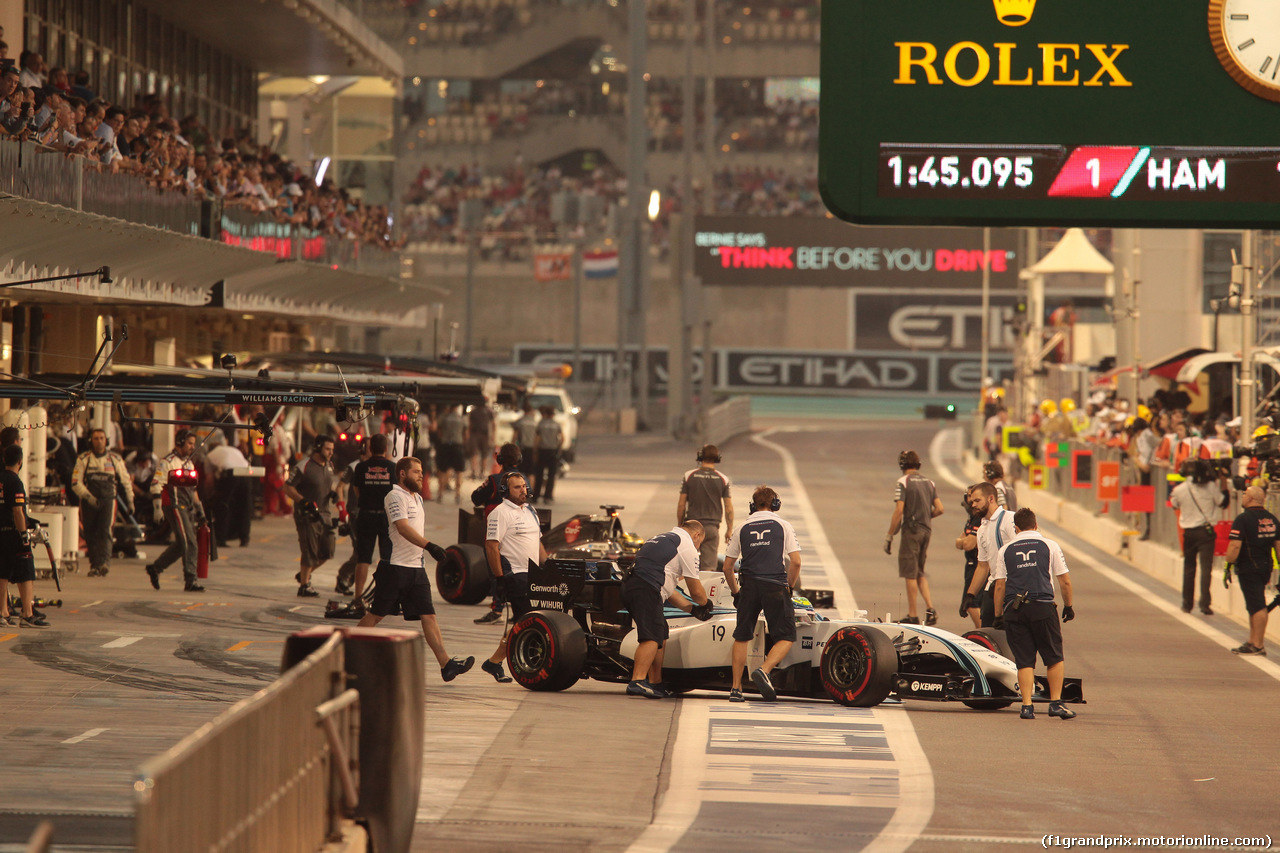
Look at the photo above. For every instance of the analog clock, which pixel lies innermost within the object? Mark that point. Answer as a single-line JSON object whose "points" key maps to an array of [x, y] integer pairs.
{"points": [[1246, 37]]}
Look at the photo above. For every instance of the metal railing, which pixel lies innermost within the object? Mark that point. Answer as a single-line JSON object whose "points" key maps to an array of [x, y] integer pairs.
{"points": [[273, 772]]}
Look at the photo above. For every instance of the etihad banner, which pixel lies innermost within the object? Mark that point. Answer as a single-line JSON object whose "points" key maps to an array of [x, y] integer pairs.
{"points": [[822, 252], [795, 371]]}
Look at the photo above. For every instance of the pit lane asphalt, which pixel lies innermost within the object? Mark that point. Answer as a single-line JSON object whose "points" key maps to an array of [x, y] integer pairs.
{"points": [[1174, 740]]}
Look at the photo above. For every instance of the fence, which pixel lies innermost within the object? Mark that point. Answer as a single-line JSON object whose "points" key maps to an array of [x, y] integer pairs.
{"points": [[270, 773]]}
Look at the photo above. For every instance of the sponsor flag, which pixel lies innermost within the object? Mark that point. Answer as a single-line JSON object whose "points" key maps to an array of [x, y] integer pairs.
{"points": [[600, 264], [552, 266]]}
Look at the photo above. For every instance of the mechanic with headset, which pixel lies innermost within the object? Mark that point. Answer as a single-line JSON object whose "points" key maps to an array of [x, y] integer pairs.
{"points": [[179, 503], [372, 481], [401, 582], [996, 530], [489, 495], [661, 563], [916, 504], [100, 475], [513, 540], [967, 542], [770, 569], [311, 486], [1024, 569], [704, 497], [993, 473], [1253, 548]]}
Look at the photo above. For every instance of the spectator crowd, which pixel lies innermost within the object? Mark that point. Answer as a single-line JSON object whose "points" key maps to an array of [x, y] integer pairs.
{"points": [[60, 111]]}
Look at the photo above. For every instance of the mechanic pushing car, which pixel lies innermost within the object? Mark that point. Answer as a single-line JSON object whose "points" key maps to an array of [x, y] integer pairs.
{"points": [[1024, 570], [770, 554], [661, 563]]}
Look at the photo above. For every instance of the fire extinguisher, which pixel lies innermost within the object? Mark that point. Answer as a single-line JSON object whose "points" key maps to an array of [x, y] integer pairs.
{"points": [[204, 539]]}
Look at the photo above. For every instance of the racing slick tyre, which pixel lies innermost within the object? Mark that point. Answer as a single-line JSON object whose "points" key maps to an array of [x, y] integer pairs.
{"points": [[463, 576], [547, 650], [857, 667], [989, 638]]}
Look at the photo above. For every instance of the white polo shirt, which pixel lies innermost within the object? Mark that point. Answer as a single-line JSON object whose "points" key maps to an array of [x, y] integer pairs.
{"points": [[517, 532], [404, 504], [989, 544]]}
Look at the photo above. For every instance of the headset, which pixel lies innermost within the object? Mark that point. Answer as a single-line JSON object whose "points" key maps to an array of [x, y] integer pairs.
{"points": [[708, 453], [993, 470], [908, 459], [774, 505], [503, 488]]}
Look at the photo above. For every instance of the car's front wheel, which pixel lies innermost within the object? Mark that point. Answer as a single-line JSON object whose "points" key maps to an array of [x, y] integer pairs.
{"points": [[547, 650], [989, 638], [857, 667]]}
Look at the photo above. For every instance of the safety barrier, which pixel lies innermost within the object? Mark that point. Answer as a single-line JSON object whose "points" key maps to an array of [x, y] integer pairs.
{"points": [[274, 772], [725, 420]]}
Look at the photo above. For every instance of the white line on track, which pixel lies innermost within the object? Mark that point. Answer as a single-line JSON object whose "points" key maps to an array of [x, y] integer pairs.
{"points": [[1218, 637], [689, 772], [121, 642], [85, 736]]}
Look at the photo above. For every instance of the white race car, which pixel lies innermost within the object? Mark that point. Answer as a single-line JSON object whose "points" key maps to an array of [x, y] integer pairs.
{"points": [[581, 630]]}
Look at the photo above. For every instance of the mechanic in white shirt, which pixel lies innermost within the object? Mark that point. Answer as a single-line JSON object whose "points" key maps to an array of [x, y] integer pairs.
{"points": [[995, 532], [512, 540], [660, 564], [402, 581]]}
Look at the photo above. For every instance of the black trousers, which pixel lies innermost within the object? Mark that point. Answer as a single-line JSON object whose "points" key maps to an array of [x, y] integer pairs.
{"points": [[1197, 542], [98, 537], [232, 509], [545, 477]]}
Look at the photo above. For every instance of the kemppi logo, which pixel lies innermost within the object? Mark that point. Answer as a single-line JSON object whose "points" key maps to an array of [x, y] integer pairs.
{"points": [[925, 687]]}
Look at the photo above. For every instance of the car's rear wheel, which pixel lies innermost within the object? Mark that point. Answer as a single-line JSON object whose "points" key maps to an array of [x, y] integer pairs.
{"points": [[463, 576], [989, 638], [857, 667], [546, 650]]}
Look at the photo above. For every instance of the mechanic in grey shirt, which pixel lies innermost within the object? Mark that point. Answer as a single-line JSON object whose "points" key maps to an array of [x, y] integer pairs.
{"points": [[916, 504], [1195, 499], [451, 458], [524, 429], [311, 486], [704, 497]]}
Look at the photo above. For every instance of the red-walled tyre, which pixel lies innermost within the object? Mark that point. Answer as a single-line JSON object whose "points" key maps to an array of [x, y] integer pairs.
{"points": [[547, 650], [857, 667]]}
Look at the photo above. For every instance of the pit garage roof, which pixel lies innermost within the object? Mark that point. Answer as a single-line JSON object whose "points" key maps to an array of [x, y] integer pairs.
{"points": [[161, 267]]}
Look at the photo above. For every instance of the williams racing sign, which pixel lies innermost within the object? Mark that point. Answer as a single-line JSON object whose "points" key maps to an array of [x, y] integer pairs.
{"points": [[822, 252]]}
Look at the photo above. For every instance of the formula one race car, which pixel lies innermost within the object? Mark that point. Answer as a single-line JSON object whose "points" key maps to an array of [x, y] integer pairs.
{"points": [[582, 631], [463, 577]]}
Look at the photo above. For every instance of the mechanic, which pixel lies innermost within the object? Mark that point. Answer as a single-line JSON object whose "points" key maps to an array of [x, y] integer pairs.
{"points": [[1198, 493], [17, 564], [770, 569], [967, 542], [993, 473], [99, 475], [179, 503], [373, 480], [488, 495], [1024, 569], [451, 459], [401, 581], [996, 529], [523, 432], [232, 495], [481, 430], [704, 497], [661, 563], [513, 540], [547, 443], [1251, 547], [311, 486], [349, 511], [916, 504]]}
